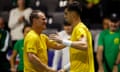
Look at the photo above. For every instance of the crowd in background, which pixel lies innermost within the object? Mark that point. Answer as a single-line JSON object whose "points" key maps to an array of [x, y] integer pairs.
{"points": [[14, 15]]}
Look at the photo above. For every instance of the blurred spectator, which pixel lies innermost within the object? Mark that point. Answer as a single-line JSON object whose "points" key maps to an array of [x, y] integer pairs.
{"points": [[63, 54], [18, 18], [4, 41], [105, 26], [18, 49], [108, 45]]}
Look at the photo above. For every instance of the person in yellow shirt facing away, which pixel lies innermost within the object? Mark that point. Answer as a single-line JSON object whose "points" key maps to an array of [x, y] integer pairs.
{"points": [[36, 44], [80, 43]]}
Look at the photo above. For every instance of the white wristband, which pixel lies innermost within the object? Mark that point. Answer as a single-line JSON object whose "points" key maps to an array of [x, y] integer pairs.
{"points": [[67, 42]]}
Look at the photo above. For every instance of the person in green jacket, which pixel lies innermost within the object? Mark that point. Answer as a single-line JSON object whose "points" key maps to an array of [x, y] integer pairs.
{"points": [[4, 47], [108, 46], [18, 50]]}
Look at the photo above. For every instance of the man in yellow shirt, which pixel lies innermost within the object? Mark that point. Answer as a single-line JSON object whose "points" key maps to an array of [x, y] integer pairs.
{"points": [[80, 43], [36, 44]]}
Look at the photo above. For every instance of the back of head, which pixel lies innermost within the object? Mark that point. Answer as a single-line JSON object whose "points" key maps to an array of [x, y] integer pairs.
{"points": [[75, 6]]}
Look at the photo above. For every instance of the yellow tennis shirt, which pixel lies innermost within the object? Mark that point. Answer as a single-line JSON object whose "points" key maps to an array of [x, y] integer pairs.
{"points": [[36, 44], [81, 61]]}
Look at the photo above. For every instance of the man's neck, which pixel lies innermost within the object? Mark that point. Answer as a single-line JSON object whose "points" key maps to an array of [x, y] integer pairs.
{"points": [[38, 31], [75, 22], [21, 8]]}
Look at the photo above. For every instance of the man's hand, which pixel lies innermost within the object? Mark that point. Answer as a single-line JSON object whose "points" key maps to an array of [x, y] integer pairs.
{"points": [[55, 37], [13, 70], [101, 69], [51, 70], [115, 68], [21, 19], [61, 70]]}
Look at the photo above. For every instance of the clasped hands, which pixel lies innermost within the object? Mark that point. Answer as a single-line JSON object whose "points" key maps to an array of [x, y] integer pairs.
{"points": [[55, 37]]}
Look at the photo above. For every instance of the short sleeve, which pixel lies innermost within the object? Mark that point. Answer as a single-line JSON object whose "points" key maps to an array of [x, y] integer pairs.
{"points": [[100, 39], [31, 44], [81, 33], [50, 43], [16, 46]]}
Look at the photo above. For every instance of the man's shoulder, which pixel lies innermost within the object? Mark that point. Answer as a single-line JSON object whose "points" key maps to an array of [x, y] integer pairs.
{"points": [[104, 32], [28, 9], [14, 10], [43, 35], [31, 35]]}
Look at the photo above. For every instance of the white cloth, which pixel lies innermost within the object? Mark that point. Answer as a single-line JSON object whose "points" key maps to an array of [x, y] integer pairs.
{"points": [[96, 43], [64, 53], [16, 27]]}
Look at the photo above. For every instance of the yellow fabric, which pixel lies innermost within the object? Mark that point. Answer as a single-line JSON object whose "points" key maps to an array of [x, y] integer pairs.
{"points": [[35, 44], [94, 1], [81, 61]]}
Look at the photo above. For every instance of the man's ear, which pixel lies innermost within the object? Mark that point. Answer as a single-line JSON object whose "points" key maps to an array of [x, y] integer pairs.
{"points": [[34, 20]]}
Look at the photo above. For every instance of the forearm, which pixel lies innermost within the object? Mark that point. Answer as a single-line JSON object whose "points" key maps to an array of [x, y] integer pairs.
{"points": [[12, 62], [118, 59], [13, 58], [56, 46], [37, 63], [79, 45], [99, 57]]}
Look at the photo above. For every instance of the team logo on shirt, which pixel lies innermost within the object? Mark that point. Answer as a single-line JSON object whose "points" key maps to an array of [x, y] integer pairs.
{"points": [[116, 41]]}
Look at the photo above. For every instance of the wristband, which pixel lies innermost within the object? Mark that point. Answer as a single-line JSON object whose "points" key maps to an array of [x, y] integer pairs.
{"points": [[67, 42]]}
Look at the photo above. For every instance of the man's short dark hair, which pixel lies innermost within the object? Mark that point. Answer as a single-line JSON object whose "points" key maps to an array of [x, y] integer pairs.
{"points": [[34, 14], [75, 6]]}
